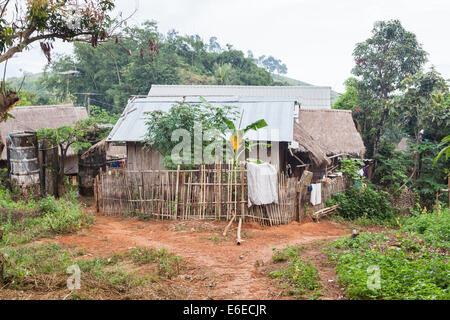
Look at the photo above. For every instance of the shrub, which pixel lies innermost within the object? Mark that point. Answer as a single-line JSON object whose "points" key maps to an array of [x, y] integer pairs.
{"points": [[298, 275], [363, 202], [409, 268], [431, 227], [400, 277], [52, 216]]}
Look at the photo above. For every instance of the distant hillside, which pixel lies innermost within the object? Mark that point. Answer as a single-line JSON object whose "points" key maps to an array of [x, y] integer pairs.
{"points": [[293, 82], [290, 81], [30, 84], [32, 92]]}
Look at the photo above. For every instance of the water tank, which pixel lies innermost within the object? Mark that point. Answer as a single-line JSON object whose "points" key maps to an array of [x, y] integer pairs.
{"points": [[23, 162]]}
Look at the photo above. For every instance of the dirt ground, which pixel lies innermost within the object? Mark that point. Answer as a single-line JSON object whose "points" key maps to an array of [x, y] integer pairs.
{"points": [[222, 269]]}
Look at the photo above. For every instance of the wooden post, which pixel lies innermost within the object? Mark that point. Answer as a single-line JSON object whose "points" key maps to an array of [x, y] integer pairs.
{"points": [[229, 225], [176, 192], [219, 195], [305, 180], [239, 232], [242, 173]]}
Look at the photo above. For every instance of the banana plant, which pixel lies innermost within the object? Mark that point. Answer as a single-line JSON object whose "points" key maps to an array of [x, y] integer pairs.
{"points": [[445, 150], [237, 135]]}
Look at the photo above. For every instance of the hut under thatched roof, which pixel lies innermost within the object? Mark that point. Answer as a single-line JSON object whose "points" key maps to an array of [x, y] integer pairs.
{"points": [[324, 133], [403, 144], [37, 117]]}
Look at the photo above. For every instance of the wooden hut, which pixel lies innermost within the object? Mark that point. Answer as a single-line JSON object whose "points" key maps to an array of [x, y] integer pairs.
{"points": [[37, 117], [322, 136]]}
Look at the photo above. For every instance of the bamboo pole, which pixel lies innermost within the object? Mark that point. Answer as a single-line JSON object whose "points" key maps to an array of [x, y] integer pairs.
{"points": [[176, 192], [239, 240], [229, 225], [242, 192]]}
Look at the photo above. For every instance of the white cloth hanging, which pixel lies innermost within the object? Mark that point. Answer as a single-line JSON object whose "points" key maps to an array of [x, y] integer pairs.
{"points": [[262, 184], [316, 194]]}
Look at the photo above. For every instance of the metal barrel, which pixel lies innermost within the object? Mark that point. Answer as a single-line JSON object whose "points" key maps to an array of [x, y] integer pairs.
{"points": [[23, 162]]}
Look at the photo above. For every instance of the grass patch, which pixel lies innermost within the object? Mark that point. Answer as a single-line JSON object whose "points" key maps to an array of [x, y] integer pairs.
{"points": [[432, 227], [43, 267], [51, 216], [298, 276], [410, 267]]}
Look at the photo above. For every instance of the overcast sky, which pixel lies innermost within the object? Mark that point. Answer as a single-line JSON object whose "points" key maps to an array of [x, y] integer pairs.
{"points": [[315, 38]]}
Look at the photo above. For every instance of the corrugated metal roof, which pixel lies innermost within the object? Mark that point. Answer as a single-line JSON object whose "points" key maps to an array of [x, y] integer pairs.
{"points": [[277, 112], [310, 97]]}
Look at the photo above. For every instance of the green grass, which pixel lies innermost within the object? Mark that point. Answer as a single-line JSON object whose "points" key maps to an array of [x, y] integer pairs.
{"points": [[25, 267], [46, 218], [298, 276], [168, 264], [411, 268], [432, 227]]}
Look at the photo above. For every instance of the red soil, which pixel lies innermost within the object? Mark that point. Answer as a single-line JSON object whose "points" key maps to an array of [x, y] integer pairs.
{"points": [[202, 245]]}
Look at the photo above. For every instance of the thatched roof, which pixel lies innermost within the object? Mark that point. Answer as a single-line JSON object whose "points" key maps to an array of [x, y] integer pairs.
{"points": [[37, 117], [402, 145], [333, 130], [308, 144]]}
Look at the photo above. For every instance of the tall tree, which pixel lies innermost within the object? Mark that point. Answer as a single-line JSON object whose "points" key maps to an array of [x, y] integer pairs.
{"points": [[25, 22], [382, 62]]}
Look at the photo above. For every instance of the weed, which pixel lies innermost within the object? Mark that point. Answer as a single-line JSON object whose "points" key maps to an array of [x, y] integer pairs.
{"points": [[298, 276]]}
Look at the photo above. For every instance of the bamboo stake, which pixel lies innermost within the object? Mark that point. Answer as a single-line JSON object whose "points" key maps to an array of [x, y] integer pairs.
{"points": [[229, 225], [242, 192], [176, 192], [239, 240]]}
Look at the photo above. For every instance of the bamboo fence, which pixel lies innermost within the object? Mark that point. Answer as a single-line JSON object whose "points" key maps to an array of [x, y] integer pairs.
{"points": [[208, 193]]}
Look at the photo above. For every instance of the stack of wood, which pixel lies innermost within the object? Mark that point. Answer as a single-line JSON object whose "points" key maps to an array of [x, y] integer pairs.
{"points": [[316, 216]]}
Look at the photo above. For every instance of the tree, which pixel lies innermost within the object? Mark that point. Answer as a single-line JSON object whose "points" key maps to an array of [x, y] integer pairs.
{"points": [[82, 135], [23, 23], [111, 71], [187, 117], [424, 104], [383, 61]]}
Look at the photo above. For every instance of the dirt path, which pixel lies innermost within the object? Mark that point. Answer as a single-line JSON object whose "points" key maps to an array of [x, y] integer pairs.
{"points": [[231, 268]]}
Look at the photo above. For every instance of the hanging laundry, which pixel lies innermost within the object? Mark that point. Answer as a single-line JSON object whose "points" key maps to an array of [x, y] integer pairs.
{"points": [[316, 194], [262, 184]]}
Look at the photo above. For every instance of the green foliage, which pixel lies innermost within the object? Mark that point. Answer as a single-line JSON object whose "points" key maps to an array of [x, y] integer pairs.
{"points": [[432, 227], [168, 264], [408, 269], [424, 103], [102, 116], [47, 217], [363, 202], [117, 73], [185, 116], [351, 167], [400, 278], [24, 263], [445, 150], [284, 255], [395, 169], [298, 275]]}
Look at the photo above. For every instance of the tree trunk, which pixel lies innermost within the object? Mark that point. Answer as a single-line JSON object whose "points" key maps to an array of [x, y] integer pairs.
{"points": [[2, 145]]}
